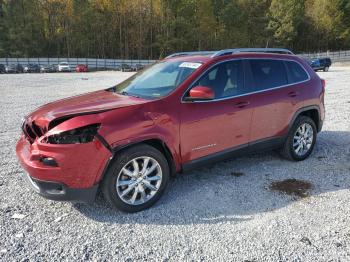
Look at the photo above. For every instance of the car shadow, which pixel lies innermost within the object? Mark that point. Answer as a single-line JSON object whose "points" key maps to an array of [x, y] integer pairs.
{"points": [[237, 189]]}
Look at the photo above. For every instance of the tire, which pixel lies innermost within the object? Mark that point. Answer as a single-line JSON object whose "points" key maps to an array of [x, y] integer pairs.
{"points": [[289, 151], [122, 170], [326, 69]]}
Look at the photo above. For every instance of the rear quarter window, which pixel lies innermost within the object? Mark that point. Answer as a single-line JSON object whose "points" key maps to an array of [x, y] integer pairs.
{"points": [[296, 72]]}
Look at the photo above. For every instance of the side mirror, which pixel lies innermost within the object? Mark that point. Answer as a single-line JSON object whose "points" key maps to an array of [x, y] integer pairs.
{"points": [[200, 93]]}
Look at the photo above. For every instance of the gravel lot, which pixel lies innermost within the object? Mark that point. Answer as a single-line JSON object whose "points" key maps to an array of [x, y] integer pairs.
{"points": [[208, 214]]}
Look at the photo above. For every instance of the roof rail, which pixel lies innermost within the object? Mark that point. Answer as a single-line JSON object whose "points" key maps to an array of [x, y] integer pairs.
{"points": [[248, 50], [232, 51], [191, 53]]}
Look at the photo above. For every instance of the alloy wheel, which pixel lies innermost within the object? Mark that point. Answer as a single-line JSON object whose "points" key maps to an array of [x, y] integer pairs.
{"points": [[139, 180], [303, 138]]}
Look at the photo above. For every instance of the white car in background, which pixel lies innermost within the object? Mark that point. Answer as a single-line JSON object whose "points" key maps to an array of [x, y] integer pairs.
{"points": [[63, 67]]}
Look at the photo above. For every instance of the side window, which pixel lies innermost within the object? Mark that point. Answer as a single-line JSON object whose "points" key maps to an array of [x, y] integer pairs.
{"points": [[212, 74], [296, 72], [226, 79], [268, 73]]}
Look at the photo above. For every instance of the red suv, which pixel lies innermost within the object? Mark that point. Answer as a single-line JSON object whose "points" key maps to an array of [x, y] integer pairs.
{"points": [[185, 111], [81, 68]]}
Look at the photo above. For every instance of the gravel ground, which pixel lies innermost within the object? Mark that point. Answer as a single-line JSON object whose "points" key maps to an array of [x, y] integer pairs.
{"points": [[208, 214]]}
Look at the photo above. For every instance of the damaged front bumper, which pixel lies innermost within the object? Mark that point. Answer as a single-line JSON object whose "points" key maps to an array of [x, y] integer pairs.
{"points": [[75, 174], [60, 192]]}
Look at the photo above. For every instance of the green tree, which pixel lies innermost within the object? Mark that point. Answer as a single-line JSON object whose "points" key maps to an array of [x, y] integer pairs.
{"points": [[254, 22], [285, 19], [206, 25], [155, 28]]}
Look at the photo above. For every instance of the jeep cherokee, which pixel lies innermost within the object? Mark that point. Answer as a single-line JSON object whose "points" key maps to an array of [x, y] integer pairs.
{"points": [[187, 110]]}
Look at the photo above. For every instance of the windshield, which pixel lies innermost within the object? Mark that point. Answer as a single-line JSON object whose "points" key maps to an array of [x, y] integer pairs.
{"points": [[158, 80]]}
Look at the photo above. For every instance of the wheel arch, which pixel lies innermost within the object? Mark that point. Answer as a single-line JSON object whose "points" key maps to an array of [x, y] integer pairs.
{"points": [[311, 111], [165, 150], [154, 142]]}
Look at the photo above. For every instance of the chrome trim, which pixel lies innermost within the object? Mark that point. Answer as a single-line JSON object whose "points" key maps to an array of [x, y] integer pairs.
{"points": [[216, 53], [205, 53], [203, 147], [30, 181], [251, 93], [253, 50]]}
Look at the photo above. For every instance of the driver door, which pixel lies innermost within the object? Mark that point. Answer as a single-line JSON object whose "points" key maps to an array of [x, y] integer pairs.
{"points": [[221, 124]]}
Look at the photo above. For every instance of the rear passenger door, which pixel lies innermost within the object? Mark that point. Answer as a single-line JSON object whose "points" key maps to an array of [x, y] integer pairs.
{"points": [[277, 86]]}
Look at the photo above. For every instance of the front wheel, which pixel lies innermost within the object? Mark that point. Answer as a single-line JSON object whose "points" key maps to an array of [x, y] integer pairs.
{"points": [[136, 179], [326, 69], [301, 139]]}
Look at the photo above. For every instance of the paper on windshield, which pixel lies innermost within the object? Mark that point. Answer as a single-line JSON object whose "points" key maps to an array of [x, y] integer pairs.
{"points": [[190, 65]]}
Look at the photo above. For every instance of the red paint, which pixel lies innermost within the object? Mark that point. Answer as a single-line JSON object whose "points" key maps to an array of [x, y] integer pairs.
{"points": [[189, 130], [81, 68], [202, 92], [78, 164]]}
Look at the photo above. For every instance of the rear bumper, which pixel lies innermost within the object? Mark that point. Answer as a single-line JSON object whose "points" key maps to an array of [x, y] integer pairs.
{"points": [[81, 70], [60, 192]]}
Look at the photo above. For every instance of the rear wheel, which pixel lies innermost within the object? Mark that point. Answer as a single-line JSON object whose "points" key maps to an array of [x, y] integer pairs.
{"points": [[136, 179], [301, 139], [326, 69]]}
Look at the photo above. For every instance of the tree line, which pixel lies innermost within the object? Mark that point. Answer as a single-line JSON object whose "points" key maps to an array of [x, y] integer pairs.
{"points": [[151, 29]]}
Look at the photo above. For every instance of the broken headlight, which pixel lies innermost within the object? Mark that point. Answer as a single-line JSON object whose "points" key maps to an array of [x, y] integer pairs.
{"points": [[79, 135]]}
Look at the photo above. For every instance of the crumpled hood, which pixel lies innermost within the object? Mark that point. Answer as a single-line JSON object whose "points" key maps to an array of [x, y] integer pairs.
{"points": [[93, 102]]}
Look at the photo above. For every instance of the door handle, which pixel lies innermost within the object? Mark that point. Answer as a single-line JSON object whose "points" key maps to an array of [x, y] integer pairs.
{"points": [[242, 104], [293, 94]]}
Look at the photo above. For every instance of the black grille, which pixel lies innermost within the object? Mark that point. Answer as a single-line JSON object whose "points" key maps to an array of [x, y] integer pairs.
{"points": [[32, 131], [37, 130]]}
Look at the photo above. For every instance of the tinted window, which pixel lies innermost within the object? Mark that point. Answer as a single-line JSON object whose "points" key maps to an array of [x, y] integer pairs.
{"points": [[226, 79], [296, 72], [268, 73]]}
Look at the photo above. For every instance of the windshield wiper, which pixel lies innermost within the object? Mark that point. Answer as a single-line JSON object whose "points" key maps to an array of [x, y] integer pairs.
{"points": [[124, 93]]}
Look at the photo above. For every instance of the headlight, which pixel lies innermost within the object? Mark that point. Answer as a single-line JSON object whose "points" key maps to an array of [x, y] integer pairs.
{"points": [[79, 135]]}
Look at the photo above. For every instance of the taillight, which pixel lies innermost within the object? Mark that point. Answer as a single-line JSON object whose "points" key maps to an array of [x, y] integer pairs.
{"points": [[323, 83]]}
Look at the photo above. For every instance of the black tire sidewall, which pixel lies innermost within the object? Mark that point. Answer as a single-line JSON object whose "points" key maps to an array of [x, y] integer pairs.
{"points": [[109, 182], [299, 121]]}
